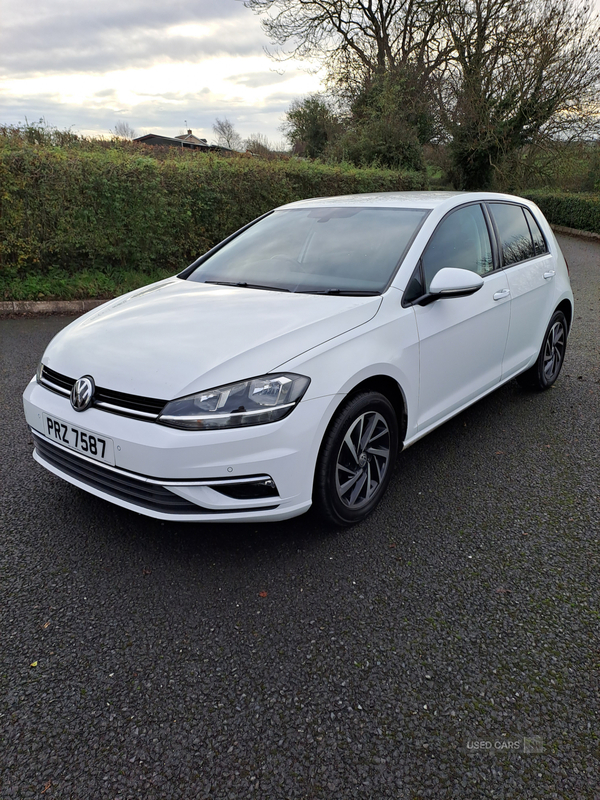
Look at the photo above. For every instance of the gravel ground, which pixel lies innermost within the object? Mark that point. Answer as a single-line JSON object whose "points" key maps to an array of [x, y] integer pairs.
{"points": [[141, 659]]}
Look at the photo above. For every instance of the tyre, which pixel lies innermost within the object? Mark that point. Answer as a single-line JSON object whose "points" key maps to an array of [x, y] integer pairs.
{"points": [[550, 359], [356, 459]]}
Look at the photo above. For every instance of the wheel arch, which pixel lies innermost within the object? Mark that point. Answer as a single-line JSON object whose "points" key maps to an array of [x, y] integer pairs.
{"points": [[388, 387], [379, 395], [567, 309]]}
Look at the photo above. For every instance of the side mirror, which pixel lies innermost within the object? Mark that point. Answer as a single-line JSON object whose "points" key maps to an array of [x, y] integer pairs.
{"points": [[452, 282]]}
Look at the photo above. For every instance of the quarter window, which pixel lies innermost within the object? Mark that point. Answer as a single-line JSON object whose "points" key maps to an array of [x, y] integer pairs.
{"points": [[539, 242], [516, 243], [462, 241]]}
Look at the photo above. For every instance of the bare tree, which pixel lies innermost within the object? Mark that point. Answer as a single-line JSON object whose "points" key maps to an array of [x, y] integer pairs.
{"points": [[522, 71], [226, 134], [365, 44], [356, 38], [258, 144], [488, 76], [123, 130]]}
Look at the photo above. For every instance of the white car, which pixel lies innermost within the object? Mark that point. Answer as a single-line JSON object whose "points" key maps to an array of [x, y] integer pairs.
{"points": [[288, 365]]}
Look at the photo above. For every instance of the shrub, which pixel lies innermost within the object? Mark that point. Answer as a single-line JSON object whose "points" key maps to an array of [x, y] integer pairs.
{"points": [[579, 211], [110, 206]]}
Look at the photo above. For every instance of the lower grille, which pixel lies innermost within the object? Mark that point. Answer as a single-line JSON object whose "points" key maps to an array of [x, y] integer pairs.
{"points": [[140, 493], [147, 494]]}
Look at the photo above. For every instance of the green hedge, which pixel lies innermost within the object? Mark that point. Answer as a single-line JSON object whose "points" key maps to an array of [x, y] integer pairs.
{"points": [[579, 211], [108, 209]]}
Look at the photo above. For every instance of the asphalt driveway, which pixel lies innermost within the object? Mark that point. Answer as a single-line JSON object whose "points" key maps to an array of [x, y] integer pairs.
{"points": [[405, 658]]}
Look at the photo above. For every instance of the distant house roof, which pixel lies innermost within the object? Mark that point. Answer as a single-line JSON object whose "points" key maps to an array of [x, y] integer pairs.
{"points": [[183, 140], [172, 141], [189, 137]]}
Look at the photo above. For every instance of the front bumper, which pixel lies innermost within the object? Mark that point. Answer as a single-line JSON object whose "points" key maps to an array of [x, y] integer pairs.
{"points": [[194, 476]]}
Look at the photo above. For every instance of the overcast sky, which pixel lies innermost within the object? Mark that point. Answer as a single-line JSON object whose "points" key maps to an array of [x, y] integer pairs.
{"points": [[159, 65]]}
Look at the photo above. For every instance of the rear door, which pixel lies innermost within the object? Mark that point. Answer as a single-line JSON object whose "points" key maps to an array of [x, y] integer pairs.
{"points": [[530, 269]]}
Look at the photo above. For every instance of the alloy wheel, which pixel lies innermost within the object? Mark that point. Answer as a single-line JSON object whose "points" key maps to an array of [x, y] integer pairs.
{"points": [[363, 460], [554, 351]]}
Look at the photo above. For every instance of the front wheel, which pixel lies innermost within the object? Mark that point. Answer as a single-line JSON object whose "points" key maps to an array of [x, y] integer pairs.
{"points": [[551, 356], [356, 459]]}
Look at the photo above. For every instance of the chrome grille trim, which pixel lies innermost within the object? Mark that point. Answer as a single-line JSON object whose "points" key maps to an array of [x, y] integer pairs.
{"points": [[127, 405], [53, 387], [119, 410]]}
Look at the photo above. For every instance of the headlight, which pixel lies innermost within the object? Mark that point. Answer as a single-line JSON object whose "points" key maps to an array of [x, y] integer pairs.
{"points": [[252, 402], [38, 372]]}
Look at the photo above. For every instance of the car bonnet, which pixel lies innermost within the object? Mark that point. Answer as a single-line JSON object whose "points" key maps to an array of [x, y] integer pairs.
{"points": [[177, 337]]}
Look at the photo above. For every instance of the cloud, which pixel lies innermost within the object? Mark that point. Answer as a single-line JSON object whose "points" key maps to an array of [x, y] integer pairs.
{"points": [[58, 36], [105, 93], [170, 114], [258, 79], [158, 66]]}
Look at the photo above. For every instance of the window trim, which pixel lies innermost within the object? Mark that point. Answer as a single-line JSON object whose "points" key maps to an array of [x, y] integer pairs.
{"points": [[426, 213]]}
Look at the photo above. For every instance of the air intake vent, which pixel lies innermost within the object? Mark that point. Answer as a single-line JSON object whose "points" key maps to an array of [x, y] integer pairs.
{"points": [[117, 484]]}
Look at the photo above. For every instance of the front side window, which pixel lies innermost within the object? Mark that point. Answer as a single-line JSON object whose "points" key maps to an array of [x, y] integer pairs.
{"points": [[462, 241], [516, 243], [318, 249]]}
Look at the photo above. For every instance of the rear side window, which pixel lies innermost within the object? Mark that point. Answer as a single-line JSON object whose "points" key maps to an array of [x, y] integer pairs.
{"points": [[539, 242], [516, 242]]}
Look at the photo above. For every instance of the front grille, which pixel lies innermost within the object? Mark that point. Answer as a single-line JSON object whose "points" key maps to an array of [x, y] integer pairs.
{"points": [[59, 382], [127, 405], [138, 492]]}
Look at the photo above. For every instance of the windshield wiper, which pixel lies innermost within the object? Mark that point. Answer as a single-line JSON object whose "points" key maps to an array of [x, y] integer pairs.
{"points": [[342, 292], [245, 285]]}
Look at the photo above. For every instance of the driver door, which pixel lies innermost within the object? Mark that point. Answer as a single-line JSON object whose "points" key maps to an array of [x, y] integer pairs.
{"points": [[462, 339]]}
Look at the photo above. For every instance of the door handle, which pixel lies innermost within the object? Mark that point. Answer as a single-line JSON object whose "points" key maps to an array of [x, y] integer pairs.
{"points": [[502, 293], [550, 274]]}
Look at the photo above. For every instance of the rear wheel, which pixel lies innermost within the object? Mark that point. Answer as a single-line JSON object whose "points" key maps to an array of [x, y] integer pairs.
{"points": [[551, 356], [356, 459]]}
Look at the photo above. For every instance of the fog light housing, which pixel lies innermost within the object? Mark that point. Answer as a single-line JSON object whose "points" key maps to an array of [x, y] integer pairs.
{"points": [[249, 490]]}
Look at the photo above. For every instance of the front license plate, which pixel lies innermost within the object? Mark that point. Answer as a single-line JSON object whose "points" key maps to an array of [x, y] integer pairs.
{"points": [[90, 444]]}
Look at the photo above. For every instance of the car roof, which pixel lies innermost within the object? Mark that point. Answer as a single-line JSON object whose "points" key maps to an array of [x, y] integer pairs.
{"points": [[424, 200]]}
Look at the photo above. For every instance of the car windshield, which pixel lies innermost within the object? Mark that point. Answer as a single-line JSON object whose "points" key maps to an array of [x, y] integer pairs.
{"points": [[328, 250]]}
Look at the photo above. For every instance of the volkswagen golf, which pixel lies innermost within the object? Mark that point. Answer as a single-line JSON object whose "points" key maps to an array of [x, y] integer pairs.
{"points": [[289, 365]]}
